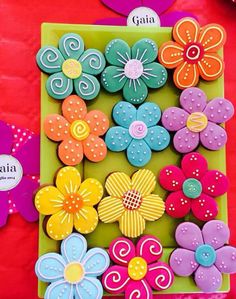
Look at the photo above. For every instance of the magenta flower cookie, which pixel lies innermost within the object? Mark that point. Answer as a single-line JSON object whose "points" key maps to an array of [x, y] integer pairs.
{"points": [[137, 270], [19, 172], [203, 254], [193, 187], [198, 121]]}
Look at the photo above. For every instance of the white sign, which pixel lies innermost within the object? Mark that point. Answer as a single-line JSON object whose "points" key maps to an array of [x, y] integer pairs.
{"points": [[143, 16]]}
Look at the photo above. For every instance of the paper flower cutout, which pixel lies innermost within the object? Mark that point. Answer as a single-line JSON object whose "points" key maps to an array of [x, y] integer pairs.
{"points": [[137, 132], [155, 7], [74, 272], [19, 167], [193, 188], [204, 254], [70, 203], [71, 67], [133, 69], [78, 131], [198, 121], [194, 52], [130, 201], [138, 270]]}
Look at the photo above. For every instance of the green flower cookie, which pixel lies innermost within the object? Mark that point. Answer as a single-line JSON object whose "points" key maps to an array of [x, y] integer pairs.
{"points": [[70, 67], [133, 69]]}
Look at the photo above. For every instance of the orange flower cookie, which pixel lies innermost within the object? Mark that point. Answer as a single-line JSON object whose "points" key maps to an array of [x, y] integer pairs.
{"points": [[194, 52], [70, 203], [78, 132]]}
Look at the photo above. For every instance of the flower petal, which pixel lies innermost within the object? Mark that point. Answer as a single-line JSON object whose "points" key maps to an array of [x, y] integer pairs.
{"points": [[60, 225], [214, 183], [122, 6], [154, 75], [89, 287], [193, 99], [158, 138], [138, 289], [174, 118], [219, 110], [188, 235], [211, 67], [215, 233], [87, 86], [186, 75], [149, 248], [56, 127], [6, 138], [160, 276], [50, 267], [144, 181], [135, 91], [171, 54], [49, 59], [158, 6], [59, 289], [212, 37], [95, 262], [91, 190], [73, 108], [169, 19], [149, 113], [74, 248], [70, 151], [110, 209], [152, 207], [117, 184], [209, 279], [177, 204], [68, 180], [194, 165], [113, 78], [118, 139], [124, 114], [121, 251], [4, 197], [186, 31], [138, 153], [92, 62], [71, 45], [186, 141], [59, 86], [121, 21], [145, 50], [86, 220], [226, 259], [182, 262], [98, 122], [204, 208], [171, 178], [213, 137], [131, 224], [118, 52], [115, 279], [95, 148]]}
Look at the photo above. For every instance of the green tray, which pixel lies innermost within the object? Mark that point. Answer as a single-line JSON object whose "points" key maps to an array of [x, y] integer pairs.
{"points": [[98, 37]]}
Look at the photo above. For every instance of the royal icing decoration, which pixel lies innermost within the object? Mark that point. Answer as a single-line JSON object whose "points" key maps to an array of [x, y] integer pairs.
{"points": [[133, 69], [137, 132], [71, 68], [131, 202], [78, 131], [203, 254], [70, 203], [74, 272], [193, 53], [137, 271], [198, 121]]}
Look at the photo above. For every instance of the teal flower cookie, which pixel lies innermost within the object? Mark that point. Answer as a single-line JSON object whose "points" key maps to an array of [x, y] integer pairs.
{"points": [[71, 68], [133, 69]]}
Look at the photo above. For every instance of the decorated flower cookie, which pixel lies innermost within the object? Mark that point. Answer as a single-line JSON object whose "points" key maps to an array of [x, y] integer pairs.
{"points": [[137, 271], [130, 201], [198, 121], [203, 254], [74, 272], [19, 167], [193, 188], [71, 68], [133, 69], [70, 203], [193, 53], [137, 132], [78, 131]]}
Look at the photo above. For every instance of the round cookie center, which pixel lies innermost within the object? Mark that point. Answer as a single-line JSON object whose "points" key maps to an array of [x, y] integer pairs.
{"points": [[73, 203], [74, 273], [197, 122], [138, 130], [137, 268], [192, 188], [193, 52], [205, 255], [133, 69], [132, 200], [79, 130], [71, 68]]}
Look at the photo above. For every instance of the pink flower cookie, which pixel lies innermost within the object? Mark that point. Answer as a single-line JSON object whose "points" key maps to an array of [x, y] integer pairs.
{"points": [[137, 271], [198, 121], [193, 188], [203, 254]]}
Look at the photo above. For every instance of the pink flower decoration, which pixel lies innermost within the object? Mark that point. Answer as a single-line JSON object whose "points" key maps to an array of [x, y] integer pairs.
{"points": [[137, 271], [193, 188]]}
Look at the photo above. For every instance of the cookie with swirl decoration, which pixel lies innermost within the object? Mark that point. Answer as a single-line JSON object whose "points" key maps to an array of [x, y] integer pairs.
{"points": [[71, 67]]}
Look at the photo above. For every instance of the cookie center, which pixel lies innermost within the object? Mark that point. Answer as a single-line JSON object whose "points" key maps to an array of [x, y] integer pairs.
{"points": [[205, 255], [192, 188], [197, 122], [74, 273], [132, 200], [73, 203], [71, 68], [193, 52], [137, 268], [133, 69], [138, 130], [79, 130]]}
